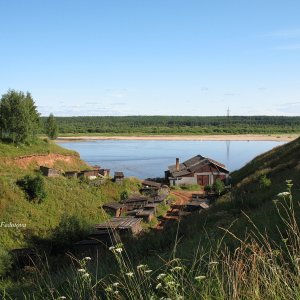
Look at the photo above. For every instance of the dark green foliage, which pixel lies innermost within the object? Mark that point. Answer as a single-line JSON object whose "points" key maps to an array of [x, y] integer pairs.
{"points": [[177, 125], [208, 188], [5, 261], [19, 119], [264, 181], [124, 195], [34, 186], [70, 229], [51, 127], [218, 186]]}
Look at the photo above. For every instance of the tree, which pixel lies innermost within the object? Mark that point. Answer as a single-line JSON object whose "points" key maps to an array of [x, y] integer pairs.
{"points": [[19, 118], [219, 186], [51, 127]]}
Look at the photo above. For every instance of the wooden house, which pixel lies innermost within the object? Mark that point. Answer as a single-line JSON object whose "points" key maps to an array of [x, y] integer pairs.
{"points": [[122, 225], [114, 208], [135, 202], [196, 170], [49, 172], [118, 177]]}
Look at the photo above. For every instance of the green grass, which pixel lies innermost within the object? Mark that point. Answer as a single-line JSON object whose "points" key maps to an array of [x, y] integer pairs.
{"points": [[41, 147]]}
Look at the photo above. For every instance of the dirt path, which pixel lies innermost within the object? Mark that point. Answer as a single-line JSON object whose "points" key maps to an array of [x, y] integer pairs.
{"points": [[182, 198]]}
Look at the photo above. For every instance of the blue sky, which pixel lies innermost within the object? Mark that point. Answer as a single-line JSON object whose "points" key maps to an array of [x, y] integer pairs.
{"points": [[153, 57]]}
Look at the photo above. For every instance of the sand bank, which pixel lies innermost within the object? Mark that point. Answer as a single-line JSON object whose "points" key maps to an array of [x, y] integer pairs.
{"points": [[246, 137]]}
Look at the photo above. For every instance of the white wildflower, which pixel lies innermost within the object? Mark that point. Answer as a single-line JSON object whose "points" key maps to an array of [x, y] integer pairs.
{"points": [[158, 286], [129, 274], [283, 194], [116, 284], [148, 271], [200, 277], [116, 292], [86, 275], [81, 270], [213, 263], [62, 297], [141, 267], [87, 258], [119, 250], [160, 276], [111, 248]]}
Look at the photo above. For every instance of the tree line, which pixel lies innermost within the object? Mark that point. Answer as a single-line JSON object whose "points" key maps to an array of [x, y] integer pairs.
{"points": [[177, 125]]}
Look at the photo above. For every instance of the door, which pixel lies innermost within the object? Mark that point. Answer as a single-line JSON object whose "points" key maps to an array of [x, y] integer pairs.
{"points": [[203, 180]]}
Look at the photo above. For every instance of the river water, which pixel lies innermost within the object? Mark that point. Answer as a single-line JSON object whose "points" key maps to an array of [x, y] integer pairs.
{"points": [[150, 158]]}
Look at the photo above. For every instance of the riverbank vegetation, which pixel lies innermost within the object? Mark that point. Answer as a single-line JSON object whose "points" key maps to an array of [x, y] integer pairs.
{"points": [[176, 125]]}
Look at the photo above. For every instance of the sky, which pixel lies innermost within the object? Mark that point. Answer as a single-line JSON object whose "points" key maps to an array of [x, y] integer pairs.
{"points": [[153, 57]]}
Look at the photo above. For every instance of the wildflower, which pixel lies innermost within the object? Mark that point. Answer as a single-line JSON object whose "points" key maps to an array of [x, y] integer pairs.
{"points": [[87, 258], [285, 240], [111, 248], [116, 284], [160, 276], [283, 194], [129, 274], [108, 289], [141, 267], [119, 250], [116, 292], [81, 270], [158, 286], [62, 297], [86, 275], [148, 271], [176, 269], [213, 263], [200, 277]]}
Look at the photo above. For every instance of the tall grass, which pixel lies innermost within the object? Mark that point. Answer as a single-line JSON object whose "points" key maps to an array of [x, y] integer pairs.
{"points": [[259, 268]]}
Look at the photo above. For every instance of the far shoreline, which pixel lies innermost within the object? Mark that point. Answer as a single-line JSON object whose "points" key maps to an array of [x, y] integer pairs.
{"points": [[230, 137]]}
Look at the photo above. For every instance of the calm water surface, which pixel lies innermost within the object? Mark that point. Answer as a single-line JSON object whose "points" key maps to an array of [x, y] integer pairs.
{"points": [[145, 159]]}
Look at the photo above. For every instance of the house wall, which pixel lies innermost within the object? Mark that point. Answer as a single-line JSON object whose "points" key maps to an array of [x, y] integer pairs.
{"points": [[193, 180]]}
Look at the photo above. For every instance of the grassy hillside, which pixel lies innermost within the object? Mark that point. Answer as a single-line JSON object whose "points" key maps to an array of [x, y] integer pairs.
{"points": [[67, 199]]}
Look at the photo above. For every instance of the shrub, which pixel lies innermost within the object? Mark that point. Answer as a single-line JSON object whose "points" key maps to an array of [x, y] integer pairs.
{"points": [[5, 261], [124, 195], [34, 186], [208, 188], [264, 181], [219, 186]]}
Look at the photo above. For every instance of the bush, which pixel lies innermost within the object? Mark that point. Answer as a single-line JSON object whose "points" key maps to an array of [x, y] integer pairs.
{"points": [[219, 186], [5, 261], [69, 230], [208, 188], [34, 186], [264, 182]]}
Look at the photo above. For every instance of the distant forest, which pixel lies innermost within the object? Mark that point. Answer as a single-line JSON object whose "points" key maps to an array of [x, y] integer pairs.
{"points": [[144, 125]]}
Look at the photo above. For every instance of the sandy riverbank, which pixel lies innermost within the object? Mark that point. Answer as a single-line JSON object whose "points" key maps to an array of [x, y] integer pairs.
{"points": [[246, 137]]}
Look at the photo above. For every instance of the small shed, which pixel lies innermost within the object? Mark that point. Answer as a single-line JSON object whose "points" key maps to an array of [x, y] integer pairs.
{"points": [[135, 202], [114, 208], [90, 174], [71, 174], [196, 205], [104, 172], [122, 225], [49, 172], [147, 215], [119, 177]]}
